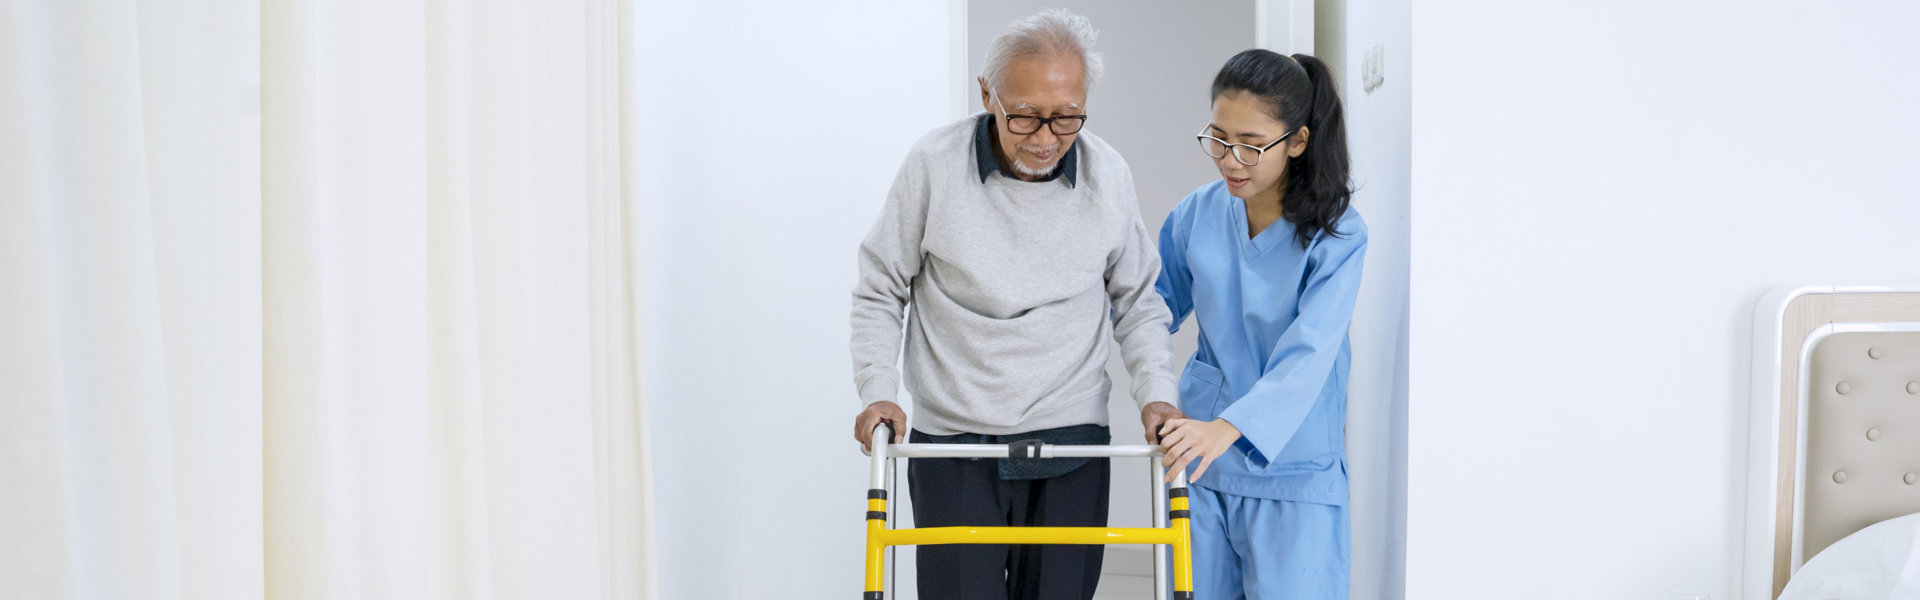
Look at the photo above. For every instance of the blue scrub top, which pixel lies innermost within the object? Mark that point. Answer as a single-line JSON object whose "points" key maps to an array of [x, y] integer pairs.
{"points": [[1273, 355]]}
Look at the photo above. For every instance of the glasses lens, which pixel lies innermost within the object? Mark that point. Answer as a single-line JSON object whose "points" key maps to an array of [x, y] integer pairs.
{"points": [[1022, 125], [1067, 125], [1247, 155], [1213, 147]]}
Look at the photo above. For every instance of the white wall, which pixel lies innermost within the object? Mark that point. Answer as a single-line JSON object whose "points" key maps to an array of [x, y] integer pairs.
{"points": [[771, 133], [1603, 191], [1379, 128], [1286, 26]]}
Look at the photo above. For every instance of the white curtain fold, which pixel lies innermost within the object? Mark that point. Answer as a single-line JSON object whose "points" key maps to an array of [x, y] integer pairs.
{"points": [[319, 299], [130, 362]]}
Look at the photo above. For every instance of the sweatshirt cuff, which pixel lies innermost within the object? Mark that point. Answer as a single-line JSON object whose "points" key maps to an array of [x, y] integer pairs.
{"points": [[879, 388], [1159, 388]]}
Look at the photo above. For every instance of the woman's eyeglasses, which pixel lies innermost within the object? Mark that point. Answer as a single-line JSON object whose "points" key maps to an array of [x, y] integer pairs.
{"points": [[1246, 154]]}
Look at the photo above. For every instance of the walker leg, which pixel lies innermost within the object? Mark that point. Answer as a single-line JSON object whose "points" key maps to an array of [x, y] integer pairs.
{"points": [[891, 563], [877, 515], [876, 552], [1183, 549], [1160, 582]]}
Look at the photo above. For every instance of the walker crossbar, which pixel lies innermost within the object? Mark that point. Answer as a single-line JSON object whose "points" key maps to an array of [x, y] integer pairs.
{"points": [[1171, 527]]}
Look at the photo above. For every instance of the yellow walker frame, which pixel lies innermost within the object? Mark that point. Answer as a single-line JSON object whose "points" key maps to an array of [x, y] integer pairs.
{"points": [[1170, 516]]}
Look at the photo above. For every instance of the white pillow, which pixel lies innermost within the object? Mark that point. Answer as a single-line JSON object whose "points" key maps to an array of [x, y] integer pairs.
{"points": [[1880, 562]]}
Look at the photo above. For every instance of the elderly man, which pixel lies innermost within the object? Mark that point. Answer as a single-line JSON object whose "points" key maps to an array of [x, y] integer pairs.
{"points": [[1017, 240]]}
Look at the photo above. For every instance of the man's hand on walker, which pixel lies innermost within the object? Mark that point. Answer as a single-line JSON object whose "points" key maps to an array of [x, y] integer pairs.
{"points": [[875, 414], [1156, 415]]}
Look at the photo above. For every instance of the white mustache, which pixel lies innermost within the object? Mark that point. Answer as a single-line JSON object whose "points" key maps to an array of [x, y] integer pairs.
{"points": [[1038, 149], [1029, 170]]}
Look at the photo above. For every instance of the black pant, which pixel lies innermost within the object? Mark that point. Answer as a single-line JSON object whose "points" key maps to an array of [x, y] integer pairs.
{"points": [[959, 492]]}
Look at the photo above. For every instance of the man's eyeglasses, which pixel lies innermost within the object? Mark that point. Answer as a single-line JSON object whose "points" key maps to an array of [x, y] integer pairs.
{"points": [[1025, 124]]}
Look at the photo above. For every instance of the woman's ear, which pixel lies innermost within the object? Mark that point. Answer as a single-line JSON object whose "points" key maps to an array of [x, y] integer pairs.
{"points": [[1298, 145]]}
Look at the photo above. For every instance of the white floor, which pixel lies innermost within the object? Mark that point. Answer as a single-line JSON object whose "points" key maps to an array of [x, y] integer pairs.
{"points": [[1125, 577], [1124, 587]]}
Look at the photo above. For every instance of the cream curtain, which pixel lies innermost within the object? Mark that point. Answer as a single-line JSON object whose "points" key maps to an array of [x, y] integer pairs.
{"points": [[319, 299]]}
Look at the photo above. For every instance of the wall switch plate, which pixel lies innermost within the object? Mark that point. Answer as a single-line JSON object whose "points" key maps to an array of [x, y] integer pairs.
{"points": [[1372, 69]]}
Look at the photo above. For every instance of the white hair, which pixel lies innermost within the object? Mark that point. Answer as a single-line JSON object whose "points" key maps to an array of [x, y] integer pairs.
{"points": [[1048, 33]]}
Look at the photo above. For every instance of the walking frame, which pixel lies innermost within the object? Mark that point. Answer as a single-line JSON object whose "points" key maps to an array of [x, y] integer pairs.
{"points": [[1171, 524]]}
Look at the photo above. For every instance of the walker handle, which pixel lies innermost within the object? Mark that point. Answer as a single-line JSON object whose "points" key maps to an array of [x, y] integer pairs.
{"points": [[882, 434]]}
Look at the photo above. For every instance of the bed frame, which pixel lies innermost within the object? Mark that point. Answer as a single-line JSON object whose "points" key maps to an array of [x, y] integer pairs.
{"points": [[1835, 438]]}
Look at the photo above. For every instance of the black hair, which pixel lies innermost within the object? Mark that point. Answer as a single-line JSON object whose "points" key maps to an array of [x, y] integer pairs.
{"points": [[1298, 91]]}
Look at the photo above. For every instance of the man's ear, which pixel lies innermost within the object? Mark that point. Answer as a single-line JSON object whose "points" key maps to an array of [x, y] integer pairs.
{"points": [[986, 96], [1298, 145]]}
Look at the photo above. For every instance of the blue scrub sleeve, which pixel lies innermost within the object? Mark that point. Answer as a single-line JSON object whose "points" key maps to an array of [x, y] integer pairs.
{"points": [[1175, 284]]}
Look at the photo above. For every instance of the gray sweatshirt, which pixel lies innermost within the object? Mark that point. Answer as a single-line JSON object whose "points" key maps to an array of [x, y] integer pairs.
{"points": [[1015, 287]]}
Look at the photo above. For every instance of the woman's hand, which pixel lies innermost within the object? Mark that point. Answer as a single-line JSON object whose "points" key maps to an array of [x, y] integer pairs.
{"points": [[1186, 440]]}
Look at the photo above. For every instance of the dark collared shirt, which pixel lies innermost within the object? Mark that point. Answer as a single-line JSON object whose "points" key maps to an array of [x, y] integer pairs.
{"points": [[984, 133]]}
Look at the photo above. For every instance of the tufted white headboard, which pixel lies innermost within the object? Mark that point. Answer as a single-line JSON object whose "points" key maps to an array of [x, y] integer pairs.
{"points": [[1835, 440]]}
